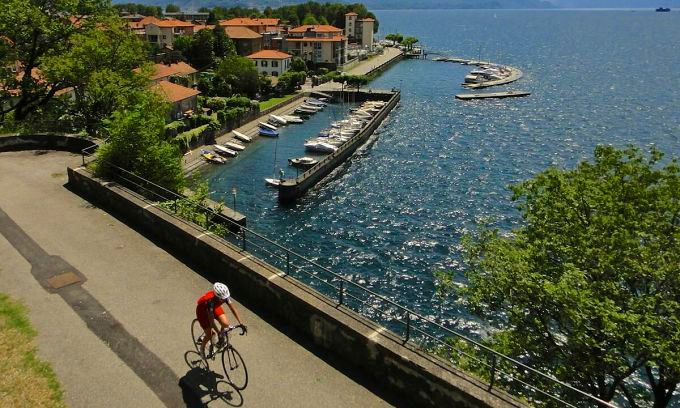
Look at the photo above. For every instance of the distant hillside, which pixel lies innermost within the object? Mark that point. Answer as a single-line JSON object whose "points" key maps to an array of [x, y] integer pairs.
{"points": [[645, 4], [371, 4]]}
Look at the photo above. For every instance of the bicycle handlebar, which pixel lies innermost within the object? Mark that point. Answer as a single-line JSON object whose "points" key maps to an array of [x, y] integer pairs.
{"points": [[243, 327]]}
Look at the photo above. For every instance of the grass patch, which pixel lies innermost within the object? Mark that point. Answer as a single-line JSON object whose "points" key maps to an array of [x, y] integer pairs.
{"points": [[25, 381], [275, 101]]}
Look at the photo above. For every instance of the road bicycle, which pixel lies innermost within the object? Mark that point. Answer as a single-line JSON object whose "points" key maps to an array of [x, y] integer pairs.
{"points": [[234, 367]]}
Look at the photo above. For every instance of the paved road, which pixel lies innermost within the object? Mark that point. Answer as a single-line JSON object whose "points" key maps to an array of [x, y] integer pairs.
{"points": [[119, 338]]}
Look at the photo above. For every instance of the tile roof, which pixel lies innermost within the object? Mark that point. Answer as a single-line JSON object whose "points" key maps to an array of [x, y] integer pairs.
{"points": [[163, 70], [269, 54], [316, 28], [351, 13], [316, 39], [367, 19], [173, 92], [141, 23], [199, 27], [172, 23], [250, 22], [241, 33]]}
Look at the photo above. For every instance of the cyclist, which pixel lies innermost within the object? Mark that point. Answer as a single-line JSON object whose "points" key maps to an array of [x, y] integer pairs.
{"points": [[209, 309]]}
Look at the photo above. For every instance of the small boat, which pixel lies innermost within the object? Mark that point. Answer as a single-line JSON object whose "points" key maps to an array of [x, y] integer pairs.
{"points": [[320, 147], [268, 126], [273, 182], [305, 111], [235, 146], [303, 162], [264, 131], [311, 107], [211, 157], [240, 136], [315, 102], [663, 10], [292, 119], [278, 120], [224, 151]]}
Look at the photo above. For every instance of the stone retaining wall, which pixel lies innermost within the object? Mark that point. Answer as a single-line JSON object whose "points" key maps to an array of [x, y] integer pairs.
{"points": [[420, 377]]}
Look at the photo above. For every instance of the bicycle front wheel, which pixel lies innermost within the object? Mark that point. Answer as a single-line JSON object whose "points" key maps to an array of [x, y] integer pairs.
{"points": [[234, 368]]}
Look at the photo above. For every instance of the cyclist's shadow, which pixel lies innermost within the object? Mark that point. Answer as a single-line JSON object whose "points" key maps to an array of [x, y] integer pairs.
{"points": [[202, 387]]}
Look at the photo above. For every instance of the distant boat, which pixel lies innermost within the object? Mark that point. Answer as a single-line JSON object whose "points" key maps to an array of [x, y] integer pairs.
{"points": [[265, 131], [224, 151], [272, 182], [321, 147], [240, 136], [663, 10]]}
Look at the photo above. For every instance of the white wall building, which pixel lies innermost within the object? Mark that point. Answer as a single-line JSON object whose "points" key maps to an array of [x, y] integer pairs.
{"points": [[271, 62]]}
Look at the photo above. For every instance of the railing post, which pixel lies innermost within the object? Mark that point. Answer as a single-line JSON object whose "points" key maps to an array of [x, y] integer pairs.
{"points": [[243, 243], [175, 206], [341, 295], [287, 263], [408, 327], [493, 370]]}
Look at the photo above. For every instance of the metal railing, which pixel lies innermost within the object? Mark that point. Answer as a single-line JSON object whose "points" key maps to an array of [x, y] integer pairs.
{"points": [[495, 368]]}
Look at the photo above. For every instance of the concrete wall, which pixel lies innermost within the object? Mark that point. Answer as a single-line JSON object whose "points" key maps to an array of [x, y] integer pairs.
{"points": [[424, 379], [44, 141]]}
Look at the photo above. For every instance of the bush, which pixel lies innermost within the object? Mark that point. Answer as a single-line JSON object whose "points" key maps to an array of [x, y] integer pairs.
{"points": [[215, 103], [186, 138]]}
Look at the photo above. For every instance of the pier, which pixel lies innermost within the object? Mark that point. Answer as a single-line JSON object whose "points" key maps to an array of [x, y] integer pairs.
{"points": [[515, 74], [492, 95], [292, 189]]}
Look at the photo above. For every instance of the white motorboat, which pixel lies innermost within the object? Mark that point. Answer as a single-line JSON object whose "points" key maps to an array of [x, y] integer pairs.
{"points": [[240, 136], [292, 119], [235, 146], [268, 126], [303, 162], [311, 107], [320, 147], [315, 102], [273, 182], [304, 111], [278, 120], [224, 151]]}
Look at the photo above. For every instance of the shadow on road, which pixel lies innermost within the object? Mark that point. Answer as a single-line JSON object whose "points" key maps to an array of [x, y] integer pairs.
{"points": [[202, 387]]}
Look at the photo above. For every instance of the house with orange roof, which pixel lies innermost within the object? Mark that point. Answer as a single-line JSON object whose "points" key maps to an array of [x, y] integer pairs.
{"points": [[183, 99], [321, 44], [246, 40], [137, 25], [163, 32], [259, 25], [163, 72], [271, 62]]}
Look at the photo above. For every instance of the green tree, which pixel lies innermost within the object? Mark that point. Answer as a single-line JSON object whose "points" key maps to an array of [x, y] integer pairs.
{"points": [[240, 73], [99, 66], [356, 80], [409, 42], [202, 51], [171, 8], [223, 46], [396, 37], [31, 31], [590, 283], [135, 143], [298, 65], [309, 19]]}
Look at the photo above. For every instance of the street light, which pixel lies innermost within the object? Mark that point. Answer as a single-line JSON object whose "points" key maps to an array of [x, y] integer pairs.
{"points": [[233, 194]]}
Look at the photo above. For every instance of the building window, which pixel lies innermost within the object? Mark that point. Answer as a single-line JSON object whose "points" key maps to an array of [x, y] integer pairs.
{"points": [[263, 63], [255, 61], [317, 46], [275, 64], [274, 73]]}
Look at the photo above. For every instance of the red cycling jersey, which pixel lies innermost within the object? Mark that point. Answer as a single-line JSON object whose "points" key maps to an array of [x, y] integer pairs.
{"points": [[203, 306]]}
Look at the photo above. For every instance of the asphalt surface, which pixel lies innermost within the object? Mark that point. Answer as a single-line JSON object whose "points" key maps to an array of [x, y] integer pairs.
{"points": [[119, 336]]}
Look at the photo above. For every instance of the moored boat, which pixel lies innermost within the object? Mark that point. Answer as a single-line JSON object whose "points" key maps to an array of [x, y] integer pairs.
{"points": [[224, 151], [268, 126], [265, 131], [302, 162], [272, 182], [240, 136], [321, 147], [278, 120], [235, 146], [211, 157], [292, 119]]}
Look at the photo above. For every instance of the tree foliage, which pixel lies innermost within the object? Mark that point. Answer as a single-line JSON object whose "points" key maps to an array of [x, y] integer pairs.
{"points": [[396, 37], [590, 283], [171, 8], [409, 42], [240, 73], [32, 31], [136, 143], [298, 65]]}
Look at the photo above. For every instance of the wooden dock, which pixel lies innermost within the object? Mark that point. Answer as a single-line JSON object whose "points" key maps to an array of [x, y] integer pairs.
{"points": [[492, 95]]}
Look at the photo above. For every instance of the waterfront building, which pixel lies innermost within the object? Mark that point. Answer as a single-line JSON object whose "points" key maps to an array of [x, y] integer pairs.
{"points": [[246, 40], [323, 45], [259, 25], [271, 62], [350, 25], [163, 32], [183, 100], [359, 30]]}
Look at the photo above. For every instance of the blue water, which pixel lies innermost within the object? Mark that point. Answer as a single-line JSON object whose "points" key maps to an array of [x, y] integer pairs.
{"points": [[396, 211]]}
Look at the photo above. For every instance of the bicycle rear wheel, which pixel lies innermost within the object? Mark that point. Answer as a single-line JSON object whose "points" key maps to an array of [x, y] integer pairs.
{"points": [[234, 368], [197, 334]]}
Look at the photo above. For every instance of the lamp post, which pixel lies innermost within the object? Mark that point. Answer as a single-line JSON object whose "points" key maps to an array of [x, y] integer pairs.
{"points": [[233, 194]]}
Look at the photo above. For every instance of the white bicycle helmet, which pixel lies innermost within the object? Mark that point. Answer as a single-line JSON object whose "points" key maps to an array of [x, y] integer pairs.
{"points": [[221, 290]]}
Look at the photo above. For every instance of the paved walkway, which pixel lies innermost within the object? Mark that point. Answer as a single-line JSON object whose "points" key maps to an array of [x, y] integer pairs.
{"points": [[119, 338]]}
